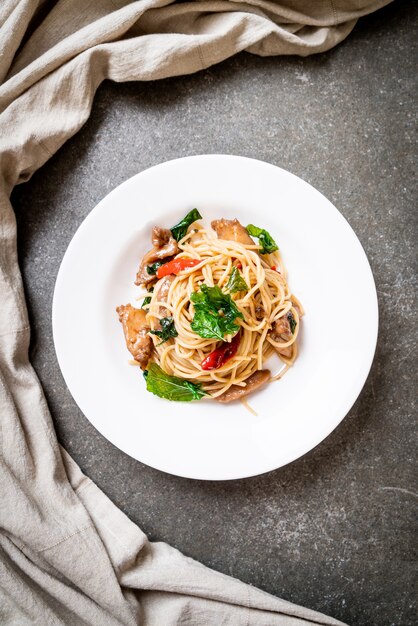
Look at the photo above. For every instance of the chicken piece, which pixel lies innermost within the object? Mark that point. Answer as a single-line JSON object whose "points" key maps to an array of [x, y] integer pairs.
{"points": [[259, 312], [162, 293], [160, 236], [287, 352], [281, 330], [255, 381], [297, 309], [156, 254], [135, 328], [232, 230]]}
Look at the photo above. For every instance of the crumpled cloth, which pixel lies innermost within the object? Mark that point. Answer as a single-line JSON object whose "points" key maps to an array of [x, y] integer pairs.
{"points": [[68, 555]]}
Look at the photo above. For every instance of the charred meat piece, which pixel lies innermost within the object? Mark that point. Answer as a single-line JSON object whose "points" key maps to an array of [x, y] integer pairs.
{"points": [[232, 230], [297, 309], [259, 311], [169, 249], [162, 293], [160, 236], [287, 352], [135, 328], [281, 332], [255, 381]]}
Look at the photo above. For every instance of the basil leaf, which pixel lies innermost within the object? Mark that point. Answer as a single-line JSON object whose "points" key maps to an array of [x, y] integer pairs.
{"points": [[215, 313], [152, 269], [168, 330], [179, 230], [265, 239], [147, 299], [236, 282], [207, 325], [171, 387], [292, 322]]}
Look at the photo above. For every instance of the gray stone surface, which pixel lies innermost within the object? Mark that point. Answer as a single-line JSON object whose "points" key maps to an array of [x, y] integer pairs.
{"points": [[333, 530]]}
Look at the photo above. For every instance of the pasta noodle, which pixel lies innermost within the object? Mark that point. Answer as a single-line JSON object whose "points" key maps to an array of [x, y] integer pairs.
{"points": [[267, 301]]}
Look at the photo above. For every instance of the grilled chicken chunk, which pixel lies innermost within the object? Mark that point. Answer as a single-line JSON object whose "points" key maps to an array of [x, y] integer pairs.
{"points": [[297, 308], [135, 328], [259, 311], [232, 230], [160, 236], [170, 248], [287, 351], [282, 332], [255, 381]]}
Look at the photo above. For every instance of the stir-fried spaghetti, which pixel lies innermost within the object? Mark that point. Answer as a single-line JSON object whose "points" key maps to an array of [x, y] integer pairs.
{"points": [[267, 301], [217, 307]]}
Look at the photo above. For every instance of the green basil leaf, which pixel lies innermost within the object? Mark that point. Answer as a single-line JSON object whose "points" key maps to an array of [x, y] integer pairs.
{"points": [[236, 282], [167, 331], [152, 269], [292, 322], [179, 230], [147, 299], [265, 239], [171, 387], [207, 325], [215, 313]]}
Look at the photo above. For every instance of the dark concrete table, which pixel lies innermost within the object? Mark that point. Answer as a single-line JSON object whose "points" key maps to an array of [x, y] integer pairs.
{"points": [[333, 530]]}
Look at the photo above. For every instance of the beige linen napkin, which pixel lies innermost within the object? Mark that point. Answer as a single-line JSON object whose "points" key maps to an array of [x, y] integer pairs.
{"points": [[68, 555]]}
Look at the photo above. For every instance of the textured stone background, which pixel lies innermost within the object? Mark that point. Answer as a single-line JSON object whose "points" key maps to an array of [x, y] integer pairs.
{"points": [[334, 530]]}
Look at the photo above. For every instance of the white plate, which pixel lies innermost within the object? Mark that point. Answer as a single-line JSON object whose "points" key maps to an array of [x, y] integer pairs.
{"points": [[328, 272]]}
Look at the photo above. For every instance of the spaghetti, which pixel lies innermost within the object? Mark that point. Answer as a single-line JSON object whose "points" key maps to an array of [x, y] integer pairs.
{"points": [[268, 324]]}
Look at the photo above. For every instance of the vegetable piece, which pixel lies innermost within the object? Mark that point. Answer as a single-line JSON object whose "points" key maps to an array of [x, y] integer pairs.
{"points": [[153, 268], [147, 299], [179, 230], [215, 313], [167, 331], [265, 239], [171, 387], [175, 266], [221, 355], [292, 322], [236, 282]]}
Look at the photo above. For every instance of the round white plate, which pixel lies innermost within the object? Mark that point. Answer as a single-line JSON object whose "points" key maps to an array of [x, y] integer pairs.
{"points": [[327, 270]]}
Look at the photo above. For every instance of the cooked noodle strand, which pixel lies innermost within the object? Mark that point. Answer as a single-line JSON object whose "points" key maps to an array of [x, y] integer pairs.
{"points": [[267, 300]]}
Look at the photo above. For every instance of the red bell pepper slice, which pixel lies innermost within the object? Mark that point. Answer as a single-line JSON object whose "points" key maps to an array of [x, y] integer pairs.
{"points": [[175, 266], [221, 355]]}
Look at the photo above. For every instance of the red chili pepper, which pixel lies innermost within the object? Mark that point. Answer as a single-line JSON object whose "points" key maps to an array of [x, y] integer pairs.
{"points": [[175, 266], [273, 267], [237, 264], [221, 355]]}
